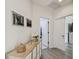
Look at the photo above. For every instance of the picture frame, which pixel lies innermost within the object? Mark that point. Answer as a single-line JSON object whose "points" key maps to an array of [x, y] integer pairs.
{"points": [[29, 23], [18, 19]]}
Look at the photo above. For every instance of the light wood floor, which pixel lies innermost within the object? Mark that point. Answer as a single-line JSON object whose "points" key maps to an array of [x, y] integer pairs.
{"points": [[54, 54]]}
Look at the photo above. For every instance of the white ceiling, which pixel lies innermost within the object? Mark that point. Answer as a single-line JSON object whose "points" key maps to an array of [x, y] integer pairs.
{"points": [[52, 3]]}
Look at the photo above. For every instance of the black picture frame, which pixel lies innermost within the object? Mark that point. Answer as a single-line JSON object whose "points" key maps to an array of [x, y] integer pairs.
{"points": [[29, 23], [18, 19]]}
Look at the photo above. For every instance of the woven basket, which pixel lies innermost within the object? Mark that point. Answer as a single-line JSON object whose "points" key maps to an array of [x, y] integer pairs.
{"points": [[21, 48]]}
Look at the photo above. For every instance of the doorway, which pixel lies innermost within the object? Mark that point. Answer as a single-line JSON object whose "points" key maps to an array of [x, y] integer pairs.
{"points": [[69, 35], [69, 29], [44, 32]]}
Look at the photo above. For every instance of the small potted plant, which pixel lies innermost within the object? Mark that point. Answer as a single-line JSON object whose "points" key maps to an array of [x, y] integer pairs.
{"points": [[35, 38]]}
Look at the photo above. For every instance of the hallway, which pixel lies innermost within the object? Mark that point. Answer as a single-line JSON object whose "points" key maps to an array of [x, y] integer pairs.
{"points": [[54, 54]]}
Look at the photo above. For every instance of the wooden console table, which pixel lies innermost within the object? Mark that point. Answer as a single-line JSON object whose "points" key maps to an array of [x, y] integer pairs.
{"points": [[33, 51]]}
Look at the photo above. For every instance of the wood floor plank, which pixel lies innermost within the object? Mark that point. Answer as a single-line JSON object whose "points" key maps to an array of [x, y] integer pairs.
{"points": [[54, 54]]}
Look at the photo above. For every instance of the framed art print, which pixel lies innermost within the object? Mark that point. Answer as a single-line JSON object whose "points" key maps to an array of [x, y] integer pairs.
{"points": [[18, 19], [29, 23]]}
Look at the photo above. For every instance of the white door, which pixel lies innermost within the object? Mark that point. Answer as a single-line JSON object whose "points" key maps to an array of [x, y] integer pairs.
{"points": [[44, 27], [59, 32]]}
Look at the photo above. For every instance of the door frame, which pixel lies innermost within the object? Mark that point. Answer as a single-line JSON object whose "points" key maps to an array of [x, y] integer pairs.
{"points": [[48, 30]]}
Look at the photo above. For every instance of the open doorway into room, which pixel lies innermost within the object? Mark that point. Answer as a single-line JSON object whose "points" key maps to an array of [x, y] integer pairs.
{"points": [[69, 29], [44, 32], [69, 34]]}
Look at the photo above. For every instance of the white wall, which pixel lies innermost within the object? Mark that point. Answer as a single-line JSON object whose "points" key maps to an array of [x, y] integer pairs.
{"points": [[61, 12], [40, 11], [15, 34]]}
